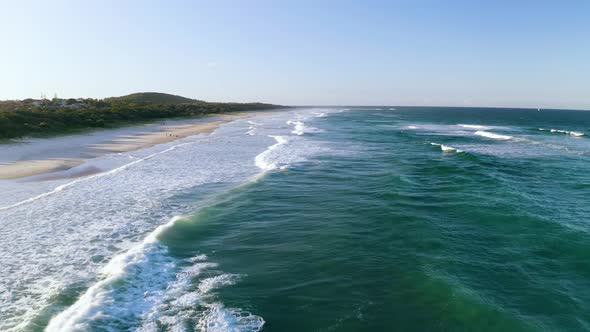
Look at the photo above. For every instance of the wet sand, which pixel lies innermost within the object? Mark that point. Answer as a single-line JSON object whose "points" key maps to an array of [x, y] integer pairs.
{"points": [[58, 167]]}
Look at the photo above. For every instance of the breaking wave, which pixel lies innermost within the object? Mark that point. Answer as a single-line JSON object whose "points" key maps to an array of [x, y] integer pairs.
{"points": [[566, 132], [446, 148], [492, 135], [472, 126], [252, 128], [270, 158], [147, 286], [119, 295], [299, 127]]}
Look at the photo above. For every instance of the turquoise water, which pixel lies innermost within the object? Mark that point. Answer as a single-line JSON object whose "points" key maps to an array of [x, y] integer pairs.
{"points": [[402, 219], [389, 233]]}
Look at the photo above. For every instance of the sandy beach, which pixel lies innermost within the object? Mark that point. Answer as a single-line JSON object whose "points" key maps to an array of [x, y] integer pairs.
{"points": [[56, 167]]}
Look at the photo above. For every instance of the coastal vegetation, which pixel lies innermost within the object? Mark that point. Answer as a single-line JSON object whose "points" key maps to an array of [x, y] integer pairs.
{"points": [[40, 117]]}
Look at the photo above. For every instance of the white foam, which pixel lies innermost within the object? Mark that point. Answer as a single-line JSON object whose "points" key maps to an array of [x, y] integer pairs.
{"points": [[566, 132], [175, 306], [141, 284], [62, 241], [446, 148], [412, 127], [299, 127], [220, 319], [265, 160], [148, 255], [492, 135], [209, 284], [69, 184], [472, 126]]}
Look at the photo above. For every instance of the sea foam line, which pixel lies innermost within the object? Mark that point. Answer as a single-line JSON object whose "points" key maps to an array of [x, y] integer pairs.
{"points": [[144, 283], [446, 148], [176, 307], [567, 132], [299, 127], [89, 306], [263, 160], [472, 126], [253, 127], [99, 175], [492, 135]]}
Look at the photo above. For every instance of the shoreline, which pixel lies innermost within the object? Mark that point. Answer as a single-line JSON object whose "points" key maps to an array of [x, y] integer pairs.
{"points": [[57, 168]]}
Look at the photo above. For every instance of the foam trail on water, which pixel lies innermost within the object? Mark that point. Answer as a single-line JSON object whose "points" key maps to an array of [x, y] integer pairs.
{"points": [[492, 135], [218, 318], [175, 309], [149, 254], [299, 128], [472, 126], [264, 161], [446, 148], [253, 127], [69, 184], [566, 132], [146, 285], [550, 146]]}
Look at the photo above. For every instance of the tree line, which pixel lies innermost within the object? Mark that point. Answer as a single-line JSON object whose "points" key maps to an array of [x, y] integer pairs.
{"points": [[51, 117]]}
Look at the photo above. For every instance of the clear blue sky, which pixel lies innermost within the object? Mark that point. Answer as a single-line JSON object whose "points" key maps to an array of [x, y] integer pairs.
{"points": [[486, 53]]}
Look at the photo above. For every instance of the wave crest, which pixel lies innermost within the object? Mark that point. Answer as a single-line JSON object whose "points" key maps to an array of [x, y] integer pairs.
{"points": [[446, 148], [566, 132], [472, 126], [492, 135], [269, 159]]}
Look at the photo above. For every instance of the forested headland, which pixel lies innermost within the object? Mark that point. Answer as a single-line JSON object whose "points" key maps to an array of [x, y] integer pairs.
{"points": [[43, 117]]}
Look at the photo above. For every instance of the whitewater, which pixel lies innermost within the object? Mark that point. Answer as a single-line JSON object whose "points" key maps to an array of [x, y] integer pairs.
{"points": [[96, 239], [364, 219]]}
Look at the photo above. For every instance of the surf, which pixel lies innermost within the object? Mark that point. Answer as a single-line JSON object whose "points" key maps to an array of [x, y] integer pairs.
{"points": [[270, 159], [88, 178], [120, 270], [492, 135], [472, 126], [566, 132], [446, 148], [145, 285]]}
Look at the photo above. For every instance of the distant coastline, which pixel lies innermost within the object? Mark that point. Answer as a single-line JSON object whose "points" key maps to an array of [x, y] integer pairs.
{"points": [[54, 117]]}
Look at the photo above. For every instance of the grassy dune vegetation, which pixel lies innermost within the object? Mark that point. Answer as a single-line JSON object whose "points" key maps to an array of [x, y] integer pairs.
{"points": [[30, 117]]}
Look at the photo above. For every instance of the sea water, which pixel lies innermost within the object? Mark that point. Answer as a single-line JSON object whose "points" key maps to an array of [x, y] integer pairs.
{"points": [[323, 219]]}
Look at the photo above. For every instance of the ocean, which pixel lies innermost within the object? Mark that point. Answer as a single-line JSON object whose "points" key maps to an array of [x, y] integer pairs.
{"points": [[314, 219]]}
